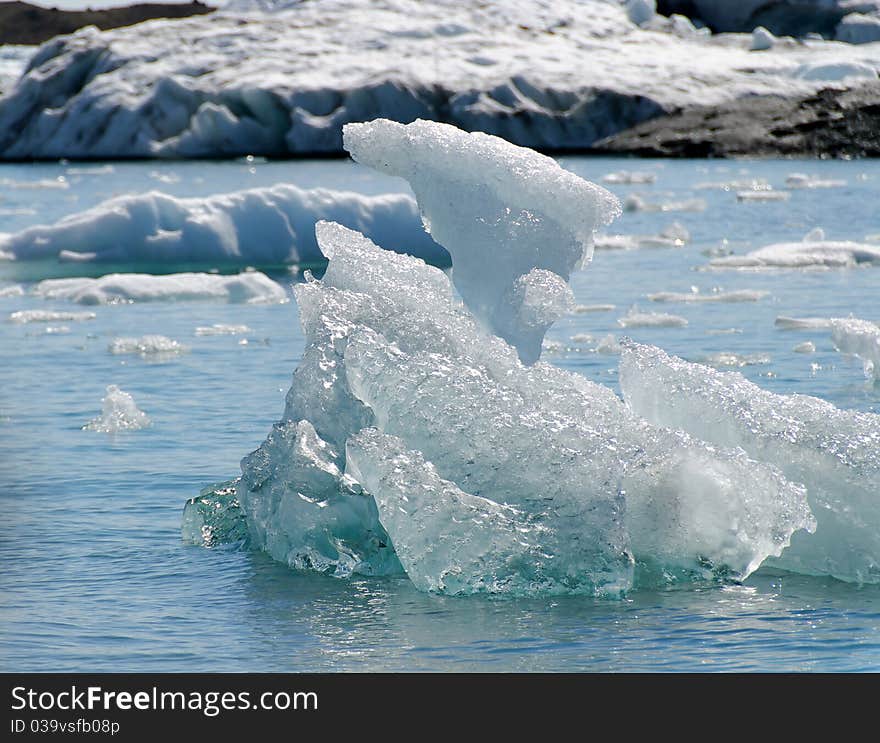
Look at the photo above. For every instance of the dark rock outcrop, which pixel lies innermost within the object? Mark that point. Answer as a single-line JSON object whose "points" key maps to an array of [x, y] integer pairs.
{"points": [[831, 123], [21, 23]]}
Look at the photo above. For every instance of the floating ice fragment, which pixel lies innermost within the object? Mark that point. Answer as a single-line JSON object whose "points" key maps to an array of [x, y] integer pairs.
{"points": [[739, 295], [222, 329], [629, 177], [802, 323], [637, 319], [119, 413], [860, 338], [214, 517], [762, 196], [802, 180], [728, 358], [28, 316], [635, 203], [251, 287], [835, 453], [805, 347], [810, 253], [762, 40], [147, 346], [582, 309], [15, 290]]}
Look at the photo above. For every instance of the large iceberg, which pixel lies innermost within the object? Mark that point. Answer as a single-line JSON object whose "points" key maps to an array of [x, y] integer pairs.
{"points": [[262, 227], [550, 75], [836, 453], [415, 439]]}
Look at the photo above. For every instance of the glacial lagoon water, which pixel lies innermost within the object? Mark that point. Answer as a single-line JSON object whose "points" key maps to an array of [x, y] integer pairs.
{"points": [[94, 574]]}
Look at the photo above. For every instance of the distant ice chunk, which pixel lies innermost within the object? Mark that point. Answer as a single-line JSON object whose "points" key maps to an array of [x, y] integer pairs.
{"points": [[251, 287], [635, 203], [29, 316], [802, 323], [858, 28], [805, 347], [14, 290], [738, 295], [635, 318], [147, 346], [762, 39], [222, 329], [500, 210], [673, 236], [809, 253], [730, 359], [802, 180], [835, 453], [582, 309], [860, 338], [629, 177], [765, 195], [119, 413]]}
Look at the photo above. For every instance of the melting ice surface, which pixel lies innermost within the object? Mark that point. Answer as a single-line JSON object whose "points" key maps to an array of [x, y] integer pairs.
{"points": [[416, 439], [119, 413]]}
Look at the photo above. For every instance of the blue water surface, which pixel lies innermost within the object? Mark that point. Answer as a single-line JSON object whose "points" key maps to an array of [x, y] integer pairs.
{"points": [[94, 574]]}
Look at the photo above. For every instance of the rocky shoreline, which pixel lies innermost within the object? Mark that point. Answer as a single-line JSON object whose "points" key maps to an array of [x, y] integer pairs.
{"points": [[830, 124], [22, 23]]}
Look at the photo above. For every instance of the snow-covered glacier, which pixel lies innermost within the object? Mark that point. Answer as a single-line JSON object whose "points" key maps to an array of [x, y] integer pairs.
{"points": [[547, 75], [836, 453], [416, 439], [262, 227]]}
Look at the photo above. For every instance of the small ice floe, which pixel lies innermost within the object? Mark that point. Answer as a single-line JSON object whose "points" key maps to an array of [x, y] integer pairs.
{"points": [[28, 316], [743, 184], [762, 40], [724, 331], [805, 347], [47, 183], [147, 346], [802, 180], [251, 287], [91, 170], [582, 338], [222, 329], [813, 252], [762, 195], [730, 359], [629, 177], [164, 177], [635, 203], [16, 290], [674, 236], [716, 295], [637, 319], [119, 413], [609, 345], [859, 338], [802, 323]]}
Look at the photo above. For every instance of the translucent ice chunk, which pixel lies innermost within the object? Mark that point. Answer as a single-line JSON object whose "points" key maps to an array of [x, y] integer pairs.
{"points": [[147, 346], [835, 453], [860, 338], [500, 210], [119, 413], [214, 517]]}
